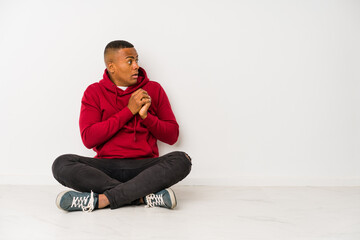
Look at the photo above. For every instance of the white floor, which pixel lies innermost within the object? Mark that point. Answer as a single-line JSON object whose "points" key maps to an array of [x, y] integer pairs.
{"points": [[203, 212]]}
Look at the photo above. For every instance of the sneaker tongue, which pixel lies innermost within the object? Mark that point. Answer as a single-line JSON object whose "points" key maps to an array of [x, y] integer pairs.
{"points": [[91, 203]]}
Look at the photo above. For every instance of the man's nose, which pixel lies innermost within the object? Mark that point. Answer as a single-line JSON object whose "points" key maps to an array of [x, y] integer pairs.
{"points": [[135, 65]]}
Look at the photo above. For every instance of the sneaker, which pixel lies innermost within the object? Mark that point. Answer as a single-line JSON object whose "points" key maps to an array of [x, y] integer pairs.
{"points": [[165, 198], [77, 201]]}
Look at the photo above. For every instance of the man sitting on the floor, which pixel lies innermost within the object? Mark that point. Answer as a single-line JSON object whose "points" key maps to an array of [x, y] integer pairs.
{"points": [[122, 117]]}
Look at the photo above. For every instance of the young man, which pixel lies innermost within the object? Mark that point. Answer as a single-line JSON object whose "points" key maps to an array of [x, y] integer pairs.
{"points": [[121, 119]]}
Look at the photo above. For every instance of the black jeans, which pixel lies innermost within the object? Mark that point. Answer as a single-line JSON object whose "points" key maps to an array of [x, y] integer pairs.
{"points": [[123, 181]]}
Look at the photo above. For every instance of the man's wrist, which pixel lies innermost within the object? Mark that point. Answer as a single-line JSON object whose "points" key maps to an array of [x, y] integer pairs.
{"points": [[143, 117], [133, 113]]}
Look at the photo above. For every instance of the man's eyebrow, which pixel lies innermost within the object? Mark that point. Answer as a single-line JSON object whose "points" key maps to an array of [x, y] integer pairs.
{"points": [[132, 57]]}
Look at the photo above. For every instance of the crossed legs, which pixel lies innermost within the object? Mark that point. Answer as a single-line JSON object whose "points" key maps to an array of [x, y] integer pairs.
{"points": [[119, 182]]}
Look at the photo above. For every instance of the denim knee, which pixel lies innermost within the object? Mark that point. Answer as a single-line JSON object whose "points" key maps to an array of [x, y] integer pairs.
{"points": [[59, 163], [186, 161], [183, 155]]}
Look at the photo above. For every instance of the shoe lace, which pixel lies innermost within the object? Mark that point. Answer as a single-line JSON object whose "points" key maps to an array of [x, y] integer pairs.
{"points": [[154, 200], [81, 201]]}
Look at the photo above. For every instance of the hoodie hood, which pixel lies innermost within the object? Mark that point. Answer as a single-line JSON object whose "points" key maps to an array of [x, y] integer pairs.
{"points": [[110, 86]]}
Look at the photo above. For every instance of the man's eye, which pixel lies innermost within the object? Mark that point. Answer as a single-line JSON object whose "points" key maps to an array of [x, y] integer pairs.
{"points": [[130, 62]]}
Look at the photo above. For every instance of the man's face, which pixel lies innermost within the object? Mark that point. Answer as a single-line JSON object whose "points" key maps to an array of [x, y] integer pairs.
{"points": [[124, 67]]}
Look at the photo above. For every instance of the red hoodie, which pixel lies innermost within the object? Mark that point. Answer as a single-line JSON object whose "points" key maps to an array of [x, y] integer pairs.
{"points": [[108, 126]]}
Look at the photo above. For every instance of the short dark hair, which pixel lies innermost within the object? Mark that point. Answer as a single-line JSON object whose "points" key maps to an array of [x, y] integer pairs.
{"points": [[117, 44]]}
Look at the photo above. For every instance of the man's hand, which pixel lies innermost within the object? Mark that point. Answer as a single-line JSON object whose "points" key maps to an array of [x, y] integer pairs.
{"points": [[138, 100], [144, 109]]}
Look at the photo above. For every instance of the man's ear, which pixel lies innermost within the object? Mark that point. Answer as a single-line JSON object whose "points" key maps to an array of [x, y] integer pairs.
{"points": [[110, 67]]}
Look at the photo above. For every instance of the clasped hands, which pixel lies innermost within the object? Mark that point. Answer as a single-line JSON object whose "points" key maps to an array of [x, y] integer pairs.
{"points": [[139, 102]]}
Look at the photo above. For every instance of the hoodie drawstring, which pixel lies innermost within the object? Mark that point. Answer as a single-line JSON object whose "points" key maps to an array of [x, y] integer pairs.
{"points": [[116, 96], [135, 130]]}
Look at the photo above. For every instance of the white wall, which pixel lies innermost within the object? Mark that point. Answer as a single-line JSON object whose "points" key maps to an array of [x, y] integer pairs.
{"points": [[265, 92]]}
